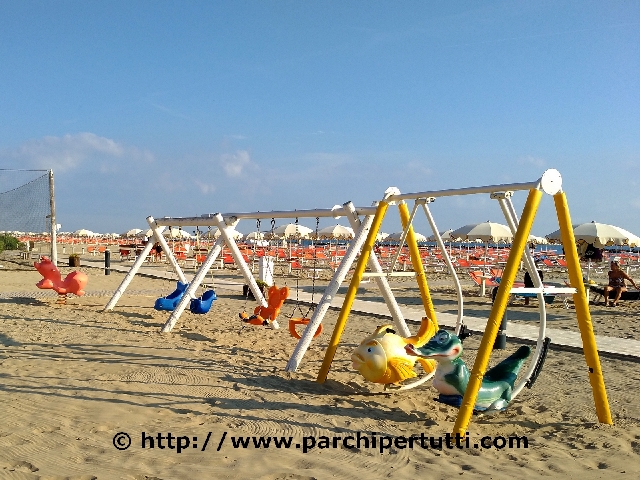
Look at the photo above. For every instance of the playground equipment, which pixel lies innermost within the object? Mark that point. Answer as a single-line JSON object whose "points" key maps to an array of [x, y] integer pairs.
{"points": [[203, 304], [225, 224], [301, 321], [452, 375], [74, 282], [267, 315], [550, 183], [170, 301], [382, 357]]}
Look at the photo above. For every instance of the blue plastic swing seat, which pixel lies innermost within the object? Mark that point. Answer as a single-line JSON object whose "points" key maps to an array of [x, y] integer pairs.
{"points": [[170, 302], [203, 304]]}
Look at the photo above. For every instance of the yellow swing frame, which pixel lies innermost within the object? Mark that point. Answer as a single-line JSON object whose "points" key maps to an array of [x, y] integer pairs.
{"points": [[551, 183]]}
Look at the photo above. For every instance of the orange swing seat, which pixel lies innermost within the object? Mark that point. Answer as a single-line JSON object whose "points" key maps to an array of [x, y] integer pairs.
{"points": [[301, 321]]}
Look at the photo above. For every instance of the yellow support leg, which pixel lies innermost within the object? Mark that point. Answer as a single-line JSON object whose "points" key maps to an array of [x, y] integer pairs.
{"points": [[582, 310], [497, 312], [416, 261], [351, 292]]}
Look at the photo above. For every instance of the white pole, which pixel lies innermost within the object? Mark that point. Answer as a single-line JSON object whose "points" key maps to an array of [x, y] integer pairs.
{"points": [[239, 261], [165, 247], [329, 294], [130, 274], [512, 220], [193, 286], [403, 238], [447, 260], [381, 281]]}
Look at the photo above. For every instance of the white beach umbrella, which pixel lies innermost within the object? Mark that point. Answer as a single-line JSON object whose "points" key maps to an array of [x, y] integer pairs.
{"points": [[84, 233], [175, 233], [255, 236], [446, 237], [598, 234], [537, 240], [336, 231], [381, 236], [485, 231], [395, 237], [131, 233], [291, 230], [236, 235]]}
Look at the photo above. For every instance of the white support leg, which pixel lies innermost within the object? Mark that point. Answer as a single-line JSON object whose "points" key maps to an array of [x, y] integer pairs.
{"points": [[381, 281], [329, 294], [193, 286], [131, 273], [239, 261], [447, 260], [165, 247], [512, 220]]}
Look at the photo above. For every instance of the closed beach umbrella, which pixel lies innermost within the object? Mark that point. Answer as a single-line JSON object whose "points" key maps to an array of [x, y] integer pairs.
{"points": [[291, 230], [336, 231]]}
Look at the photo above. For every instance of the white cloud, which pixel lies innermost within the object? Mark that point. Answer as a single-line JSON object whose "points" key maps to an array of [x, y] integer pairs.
{"points": [[533, 161], [70, 151], [419, 169], [204, 187], [235, 164]]}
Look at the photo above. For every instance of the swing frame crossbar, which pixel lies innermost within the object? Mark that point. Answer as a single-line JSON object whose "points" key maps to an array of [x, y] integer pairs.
{"points": [[550, 183]]}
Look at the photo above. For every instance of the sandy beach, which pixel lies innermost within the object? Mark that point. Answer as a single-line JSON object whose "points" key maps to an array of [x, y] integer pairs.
{"points": [[73, 377]]}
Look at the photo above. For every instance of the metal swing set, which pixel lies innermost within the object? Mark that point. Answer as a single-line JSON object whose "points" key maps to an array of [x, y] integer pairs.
{"points": [[550, 183], [362, 250]]}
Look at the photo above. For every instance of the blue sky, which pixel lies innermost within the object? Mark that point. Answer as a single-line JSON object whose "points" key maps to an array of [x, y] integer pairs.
{"points": [[183, 108]]}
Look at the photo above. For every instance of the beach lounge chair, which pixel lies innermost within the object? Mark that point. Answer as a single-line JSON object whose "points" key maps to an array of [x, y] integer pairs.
{"points": [[483, 281]]}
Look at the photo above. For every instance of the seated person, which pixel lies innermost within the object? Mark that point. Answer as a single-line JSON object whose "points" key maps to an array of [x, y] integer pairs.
{"points": [[528, 283], [616, 283]]}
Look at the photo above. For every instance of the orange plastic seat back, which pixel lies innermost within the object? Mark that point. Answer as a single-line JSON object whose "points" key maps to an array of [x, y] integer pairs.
{"points": [[275, 300]]}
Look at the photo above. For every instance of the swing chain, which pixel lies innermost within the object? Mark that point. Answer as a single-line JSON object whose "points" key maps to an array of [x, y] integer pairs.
{"points": [[313, 270]]}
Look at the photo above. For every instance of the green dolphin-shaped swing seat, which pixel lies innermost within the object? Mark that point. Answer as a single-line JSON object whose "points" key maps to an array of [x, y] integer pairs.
{"points": [[452, 375]]}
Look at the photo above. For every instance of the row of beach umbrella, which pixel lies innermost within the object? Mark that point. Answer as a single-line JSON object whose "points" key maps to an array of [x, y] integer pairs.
{"points": [[598, 234]]}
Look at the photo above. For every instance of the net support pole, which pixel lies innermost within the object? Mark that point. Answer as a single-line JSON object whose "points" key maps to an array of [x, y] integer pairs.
{"points": [[416, 261], [130, 274], [497, 312], [53, 223], [582, 310], [351, 292]]}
